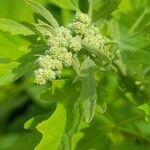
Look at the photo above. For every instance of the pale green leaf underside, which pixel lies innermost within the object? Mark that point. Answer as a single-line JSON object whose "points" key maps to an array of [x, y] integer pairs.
{"points": [[14, 27], [38, 8], [88, 95]]}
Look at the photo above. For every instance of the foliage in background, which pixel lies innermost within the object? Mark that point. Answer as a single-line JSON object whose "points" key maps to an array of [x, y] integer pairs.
{"points": [[49, 116]]}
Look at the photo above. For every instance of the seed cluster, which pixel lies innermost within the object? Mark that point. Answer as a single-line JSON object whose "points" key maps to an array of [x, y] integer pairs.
{"points": [[65, 43]]}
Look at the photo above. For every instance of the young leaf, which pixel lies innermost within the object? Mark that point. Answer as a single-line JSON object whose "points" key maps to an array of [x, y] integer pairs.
{"points": [[46, 26], [88, 95], [14, 27], [38, 8]]}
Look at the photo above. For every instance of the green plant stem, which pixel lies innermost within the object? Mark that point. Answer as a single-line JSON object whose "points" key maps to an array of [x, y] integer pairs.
{"points": [[134, 133], [126, 121], [90, 8], [114, 126]]}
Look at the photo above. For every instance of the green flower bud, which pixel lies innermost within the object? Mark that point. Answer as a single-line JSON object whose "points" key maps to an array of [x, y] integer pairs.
{"points": [[67, 59], [83, 18], [45, 61], [57, 65], [79, 28], [39, 76], [49, 74], [75, 44]]}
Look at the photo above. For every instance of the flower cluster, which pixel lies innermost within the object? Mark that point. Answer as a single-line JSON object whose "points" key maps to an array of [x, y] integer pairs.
{"points": [[59, 55], [89, 32], [55, 58], [64, 44]]}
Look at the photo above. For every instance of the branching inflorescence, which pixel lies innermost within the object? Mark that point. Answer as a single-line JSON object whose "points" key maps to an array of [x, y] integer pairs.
{"points": [[64, 44]]}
